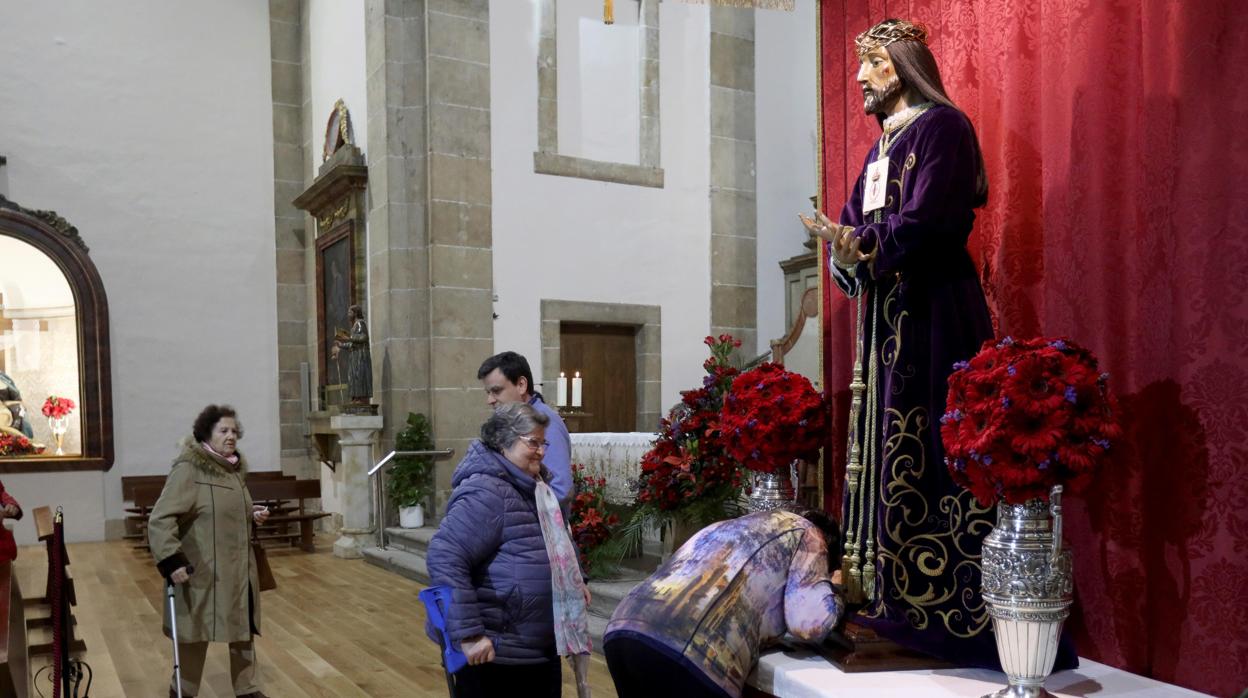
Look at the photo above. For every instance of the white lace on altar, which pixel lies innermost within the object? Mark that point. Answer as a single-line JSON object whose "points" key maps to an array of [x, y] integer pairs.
{"points": [[614, 456]]}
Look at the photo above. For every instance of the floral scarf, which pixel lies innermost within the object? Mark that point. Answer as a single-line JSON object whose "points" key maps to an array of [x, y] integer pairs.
{"points": [[567, 587]]}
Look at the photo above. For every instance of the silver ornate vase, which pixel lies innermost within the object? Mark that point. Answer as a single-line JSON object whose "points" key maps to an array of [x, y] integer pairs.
{"points": [[1028, 591], [774, 490]]}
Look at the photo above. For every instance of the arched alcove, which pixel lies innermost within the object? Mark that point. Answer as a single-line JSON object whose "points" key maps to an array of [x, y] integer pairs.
{"points": [[60, 343]]}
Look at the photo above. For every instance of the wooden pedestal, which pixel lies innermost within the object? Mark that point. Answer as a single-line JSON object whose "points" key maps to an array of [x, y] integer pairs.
{"points": [[856, 648]]}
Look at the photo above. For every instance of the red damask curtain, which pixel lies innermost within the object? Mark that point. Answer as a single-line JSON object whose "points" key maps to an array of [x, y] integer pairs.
{"points": [[1114, 132]]}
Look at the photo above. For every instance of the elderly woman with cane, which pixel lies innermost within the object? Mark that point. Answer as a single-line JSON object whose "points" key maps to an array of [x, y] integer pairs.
{"points": [[518, 600], [198, 532]]}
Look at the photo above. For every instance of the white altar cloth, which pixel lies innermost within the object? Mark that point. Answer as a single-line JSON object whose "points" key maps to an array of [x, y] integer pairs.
{"points": [[787, 674], [615, 456]]}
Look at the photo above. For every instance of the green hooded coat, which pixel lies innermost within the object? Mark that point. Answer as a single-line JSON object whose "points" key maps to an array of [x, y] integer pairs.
{"points": [[203, 518]]}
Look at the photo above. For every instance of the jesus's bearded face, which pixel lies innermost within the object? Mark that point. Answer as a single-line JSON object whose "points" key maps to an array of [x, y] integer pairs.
{"points": [[881, 88]]}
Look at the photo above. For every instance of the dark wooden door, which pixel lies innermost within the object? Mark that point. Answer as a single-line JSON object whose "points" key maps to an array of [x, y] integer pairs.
{"points": [[606, 356]]}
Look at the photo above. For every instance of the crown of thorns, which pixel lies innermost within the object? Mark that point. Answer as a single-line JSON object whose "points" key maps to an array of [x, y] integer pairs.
{"points": [[887, 32]]}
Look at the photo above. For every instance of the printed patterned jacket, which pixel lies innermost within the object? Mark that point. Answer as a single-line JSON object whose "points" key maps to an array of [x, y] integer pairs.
{"points": [[734, 588]]}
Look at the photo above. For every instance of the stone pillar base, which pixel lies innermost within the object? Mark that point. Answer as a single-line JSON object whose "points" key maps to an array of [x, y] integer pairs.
{"points": [[357, 435], [351, 544]]}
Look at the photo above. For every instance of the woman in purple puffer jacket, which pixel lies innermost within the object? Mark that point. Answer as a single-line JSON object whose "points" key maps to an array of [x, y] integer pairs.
{"points": [[489, 550]]}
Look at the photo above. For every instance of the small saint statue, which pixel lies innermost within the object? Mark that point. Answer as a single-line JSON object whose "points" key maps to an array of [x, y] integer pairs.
{"points": [[359, 360]]}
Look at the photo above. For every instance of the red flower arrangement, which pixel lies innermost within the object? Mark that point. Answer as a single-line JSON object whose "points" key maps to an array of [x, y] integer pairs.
{"points": [[1025, 415], [591, 523], [772, 416], [687, 463], [56, 407], [11, 445]]}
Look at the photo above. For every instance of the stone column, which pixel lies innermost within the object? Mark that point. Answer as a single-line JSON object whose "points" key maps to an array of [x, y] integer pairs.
{"points": [[291, 92], [461, 257], [734, 211], [357, 435], [430, 243]]}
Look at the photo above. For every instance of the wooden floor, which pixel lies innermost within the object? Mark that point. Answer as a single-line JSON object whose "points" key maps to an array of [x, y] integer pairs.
{"points": [[332, 628]]}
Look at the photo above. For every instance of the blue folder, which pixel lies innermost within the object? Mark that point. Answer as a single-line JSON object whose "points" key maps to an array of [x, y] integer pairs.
{"points": [[437, 600]]}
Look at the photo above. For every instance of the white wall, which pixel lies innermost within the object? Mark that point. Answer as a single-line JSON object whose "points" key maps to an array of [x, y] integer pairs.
{"points": [[336, 36], [786, 114], [148, 125], [574, 239]]}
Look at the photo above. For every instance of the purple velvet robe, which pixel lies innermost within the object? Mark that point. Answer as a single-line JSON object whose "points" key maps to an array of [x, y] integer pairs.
{"points": [[923, 310]]}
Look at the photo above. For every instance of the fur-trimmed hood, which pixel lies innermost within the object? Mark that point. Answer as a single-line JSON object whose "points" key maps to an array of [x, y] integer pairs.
{"points": [[194, 453]]}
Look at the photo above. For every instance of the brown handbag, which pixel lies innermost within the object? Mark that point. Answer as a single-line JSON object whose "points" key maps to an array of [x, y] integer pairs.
{"points": [[263, 570]]}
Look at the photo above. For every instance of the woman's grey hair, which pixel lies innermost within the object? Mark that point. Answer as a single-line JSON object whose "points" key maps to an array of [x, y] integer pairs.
{"points": [[509, 422]]}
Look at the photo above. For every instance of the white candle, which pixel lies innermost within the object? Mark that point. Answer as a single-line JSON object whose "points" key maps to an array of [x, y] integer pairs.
{"points": [[562, 398], [576, 390]]}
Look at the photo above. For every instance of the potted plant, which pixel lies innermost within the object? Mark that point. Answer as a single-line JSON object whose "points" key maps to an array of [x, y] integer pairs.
{"points": [[772, 418], [410, 482], [1025, 419]]}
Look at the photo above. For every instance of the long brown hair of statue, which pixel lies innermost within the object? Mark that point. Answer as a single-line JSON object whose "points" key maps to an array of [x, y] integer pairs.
{"points": [[916, 68]]}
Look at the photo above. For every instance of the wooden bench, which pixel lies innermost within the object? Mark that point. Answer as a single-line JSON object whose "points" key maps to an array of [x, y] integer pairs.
{"points": [[144, 498], [143, 491], [131, 483], [275, 491]]}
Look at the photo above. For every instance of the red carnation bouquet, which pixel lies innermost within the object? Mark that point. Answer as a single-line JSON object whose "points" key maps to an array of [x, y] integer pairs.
{"points": [[56, 407], [772, 416], [687, 464], [1025, 415], [591, 523], [11, 445]]}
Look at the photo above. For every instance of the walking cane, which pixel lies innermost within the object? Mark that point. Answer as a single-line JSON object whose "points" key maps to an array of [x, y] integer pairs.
{"points": [[173, 628]]}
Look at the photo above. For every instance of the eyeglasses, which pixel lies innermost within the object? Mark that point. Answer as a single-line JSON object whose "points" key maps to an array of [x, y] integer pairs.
{"points": [[534, 443]]}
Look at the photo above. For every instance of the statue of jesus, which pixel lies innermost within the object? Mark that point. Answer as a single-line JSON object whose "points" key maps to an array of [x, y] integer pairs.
{"points": [[912, 535]]}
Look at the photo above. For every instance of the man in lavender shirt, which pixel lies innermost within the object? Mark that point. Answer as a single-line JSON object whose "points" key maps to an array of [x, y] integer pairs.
{"points": [[507, 377]]}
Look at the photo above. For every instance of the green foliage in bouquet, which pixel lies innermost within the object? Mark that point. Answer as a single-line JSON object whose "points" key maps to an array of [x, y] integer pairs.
{"points": [[592, 522], [688, 475]]}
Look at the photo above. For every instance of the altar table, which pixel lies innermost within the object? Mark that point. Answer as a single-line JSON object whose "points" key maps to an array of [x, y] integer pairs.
{"points": [[789, 674], [614, 456]]}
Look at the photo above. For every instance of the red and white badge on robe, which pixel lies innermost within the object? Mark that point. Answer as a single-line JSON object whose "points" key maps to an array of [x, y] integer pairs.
{"points": [[875, 189]]}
